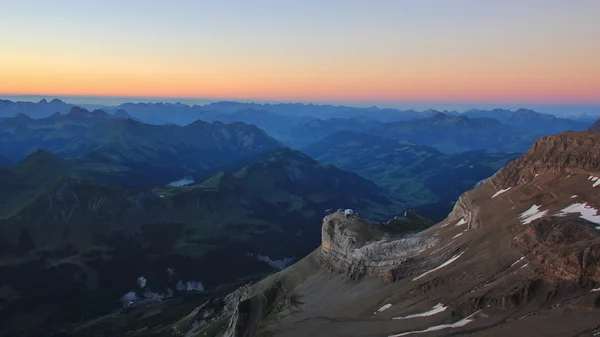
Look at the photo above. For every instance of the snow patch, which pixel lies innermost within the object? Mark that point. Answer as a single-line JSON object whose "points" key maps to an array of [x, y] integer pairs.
{"points": [[596, 183], [457, 235], [586, 212], [519, 260], [595, 290], [444, 225], [189, 286], [454, 258], [141, 281], [277, 264], [436, 310], [537, 174], [500, 192], [594, 178], [525, 265], [574, 196], [383, 308], [532, 214], [461, 222], [457, 324]]}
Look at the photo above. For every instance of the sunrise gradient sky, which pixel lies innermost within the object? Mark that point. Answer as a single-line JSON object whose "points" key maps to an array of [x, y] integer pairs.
{"points": [[521, 51]]}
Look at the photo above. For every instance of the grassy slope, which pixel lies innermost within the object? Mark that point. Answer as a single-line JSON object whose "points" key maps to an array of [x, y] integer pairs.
{"points": [[419, 174], [453, 134], [90, 242]]}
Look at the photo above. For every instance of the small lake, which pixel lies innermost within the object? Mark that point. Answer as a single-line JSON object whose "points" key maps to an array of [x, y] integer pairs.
{"points": [[182, 182]]}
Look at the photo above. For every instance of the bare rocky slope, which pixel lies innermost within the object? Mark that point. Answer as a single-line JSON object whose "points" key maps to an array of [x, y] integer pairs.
{"points": [[518, 256]]}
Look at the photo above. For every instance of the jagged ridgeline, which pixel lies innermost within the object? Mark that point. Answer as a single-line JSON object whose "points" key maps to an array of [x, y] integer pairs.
{"points": [[518, 255]]}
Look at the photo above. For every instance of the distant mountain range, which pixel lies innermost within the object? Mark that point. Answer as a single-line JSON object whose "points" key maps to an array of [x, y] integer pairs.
{"points": [[531, 121], [299, 125], [419, 174], [452, 134], [39, 109], [135, 153]]}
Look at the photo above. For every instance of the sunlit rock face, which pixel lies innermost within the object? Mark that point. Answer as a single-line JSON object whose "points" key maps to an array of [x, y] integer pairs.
{"points": [[354, 247]]}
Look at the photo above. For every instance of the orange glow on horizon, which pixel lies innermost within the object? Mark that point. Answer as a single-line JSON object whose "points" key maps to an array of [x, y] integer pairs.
{"points": [[527, 79]]}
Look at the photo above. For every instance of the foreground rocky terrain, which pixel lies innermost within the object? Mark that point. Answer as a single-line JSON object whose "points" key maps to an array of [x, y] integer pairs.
{"points": [[518, 256]]}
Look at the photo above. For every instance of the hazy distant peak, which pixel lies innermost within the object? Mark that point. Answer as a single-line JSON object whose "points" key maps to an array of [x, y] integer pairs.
{"points": [[43, 101], [120, 113], [99, 113], [438, 115], [77, 111], [526, 111], [22, 116]]}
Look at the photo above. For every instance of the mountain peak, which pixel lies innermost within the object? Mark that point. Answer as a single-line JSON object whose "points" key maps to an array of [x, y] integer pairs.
{"points": [[568, 152], [120, 113], [78, 111], [57, 101], [595, 126], [439, 115], [42, 159], [526, 111], [99, 113], [43, 101], [22, 117]]}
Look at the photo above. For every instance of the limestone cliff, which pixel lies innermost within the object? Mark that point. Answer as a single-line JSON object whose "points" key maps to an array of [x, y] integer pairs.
{"points": [[354, 247]]}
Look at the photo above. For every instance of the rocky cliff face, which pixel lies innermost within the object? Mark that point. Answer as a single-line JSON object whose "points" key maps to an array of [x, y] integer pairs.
{"points": [[467, 210], [570, 152], [563, 249], [355, 248]]}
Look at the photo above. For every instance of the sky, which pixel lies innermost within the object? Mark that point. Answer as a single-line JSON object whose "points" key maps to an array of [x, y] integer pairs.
{"points": [[436, 52]]}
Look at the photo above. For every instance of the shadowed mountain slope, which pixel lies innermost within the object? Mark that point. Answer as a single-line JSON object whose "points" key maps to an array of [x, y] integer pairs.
{"points": [[89, 242]]}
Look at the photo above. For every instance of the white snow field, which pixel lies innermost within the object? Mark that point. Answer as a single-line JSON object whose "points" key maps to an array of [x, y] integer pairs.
{"points": [[500, 192], [457, 324], [383, 308], [532, 214], [435, 310], [586, 212], [454, 258]]}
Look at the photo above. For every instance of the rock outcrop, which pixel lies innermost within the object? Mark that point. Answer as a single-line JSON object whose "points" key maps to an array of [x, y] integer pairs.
{"points": [[466, 210], [355, 248], [565, 249]]}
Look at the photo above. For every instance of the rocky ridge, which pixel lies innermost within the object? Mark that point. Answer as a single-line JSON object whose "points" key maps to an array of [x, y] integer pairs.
{"points": [[520, 250]]}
